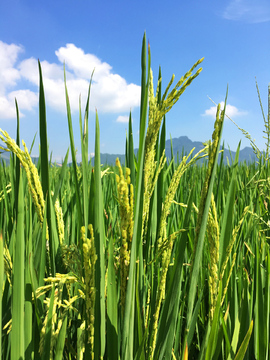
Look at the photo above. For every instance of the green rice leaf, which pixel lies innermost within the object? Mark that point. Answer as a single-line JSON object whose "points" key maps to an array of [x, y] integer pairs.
{"points": [[17, 332], [100, 329], [128, 322], [201, 232], [43, 136], [73, 154], [28, 331], [227, 220], [1, 284], [131, 156], [167, 327], [112, 313], [48, 331], [212, 340], [61, 178], [17, 162], [61, 340], [243, 348]]}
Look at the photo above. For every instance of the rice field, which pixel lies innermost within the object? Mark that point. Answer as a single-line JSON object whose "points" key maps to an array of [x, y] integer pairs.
{"points": [[152, 259]]}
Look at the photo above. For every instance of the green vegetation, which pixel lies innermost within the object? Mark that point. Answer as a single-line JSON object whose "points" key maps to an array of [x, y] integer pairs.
{"points": [[153, 260]]}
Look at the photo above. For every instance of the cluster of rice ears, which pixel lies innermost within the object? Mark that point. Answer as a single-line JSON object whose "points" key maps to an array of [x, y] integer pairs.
{"points": [[151, 259]]}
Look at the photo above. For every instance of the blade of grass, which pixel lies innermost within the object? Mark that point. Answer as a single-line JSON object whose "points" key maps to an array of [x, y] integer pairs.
{"points": [[227, 221], [43, 136], [165, 336], [37, 279], [84, 150], [61, 178], [1, 284], [267, 301], [243, 348], [235, 338], [100, 335], [45, 182], [73, 154], [131, 164], [28, 290], [17, 332], [61, 340], [220, 336], [112, 313], [201, 234], [259, 327], [128, 322], [212, 340], [48, 331], [17, 160]]}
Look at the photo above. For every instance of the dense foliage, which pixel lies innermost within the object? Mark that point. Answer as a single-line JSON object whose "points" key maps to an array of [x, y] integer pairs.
{"points": [[151, 259]]}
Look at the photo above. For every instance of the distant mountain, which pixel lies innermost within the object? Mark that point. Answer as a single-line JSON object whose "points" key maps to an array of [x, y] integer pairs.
{"points": [[109, 159], [182, 145]]}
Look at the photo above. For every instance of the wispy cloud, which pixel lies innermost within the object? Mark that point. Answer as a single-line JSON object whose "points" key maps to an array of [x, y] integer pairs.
{"points": [[122, 119], [109, 93], [231, 111], [249, 11]]}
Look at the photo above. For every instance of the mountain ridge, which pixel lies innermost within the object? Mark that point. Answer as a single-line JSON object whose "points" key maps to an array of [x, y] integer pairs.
{"points": [[181, 145]]}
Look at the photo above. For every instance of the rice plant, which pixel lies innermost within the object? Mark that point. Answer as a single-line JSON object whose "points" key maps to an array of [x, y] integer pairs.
{"points": [[152, 259]]}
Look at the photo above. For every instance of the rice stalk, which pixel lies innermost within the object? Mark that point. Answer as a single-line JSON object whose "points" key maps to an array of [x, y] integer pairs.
{"points": [[213, 241], [60, 221], [212, 150], [57, 284], [228, 253], [157, 110], [126, 208], [165, 245], [90, 257], [34, 184]]}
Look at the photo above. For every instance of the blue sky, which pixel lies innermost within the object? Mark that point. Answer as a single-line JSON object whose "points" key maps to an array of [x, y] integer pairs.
{"points": [[232, 36]]}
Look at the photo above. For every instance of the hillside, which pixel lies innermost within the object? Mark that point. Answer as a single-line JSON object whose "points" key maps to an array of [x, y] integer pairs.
{"points": [[181, 145], [183, 142]]}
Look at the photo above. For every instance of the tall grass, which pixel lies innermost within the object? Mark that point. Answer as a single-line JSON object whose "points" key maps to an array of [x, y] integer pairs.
{"points": [[151, 259]]}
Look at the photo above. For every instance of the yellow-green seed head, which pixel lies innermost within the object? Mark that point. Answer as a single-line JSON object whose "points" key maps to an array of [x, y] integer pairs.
{"points": [[117, 162], [127, 172]]}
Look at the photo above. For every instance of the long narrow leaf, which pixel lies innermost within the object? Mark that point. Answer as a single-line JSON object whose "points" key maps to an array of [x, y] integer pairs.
{"points": [[61, 340], [243, 348], [100, 336], [1, 284], [201, 235], [17, 334]]}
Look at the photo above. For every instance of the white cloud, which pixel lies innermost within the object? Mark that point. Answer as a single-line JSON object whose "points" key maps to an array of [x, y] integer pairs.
{"points": [[9, 77], [26, 99], [29, 69], [249, 11], [231, 111], [7, 108], [122, 119], [8, 73], [82, 64], [109, 92]]}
